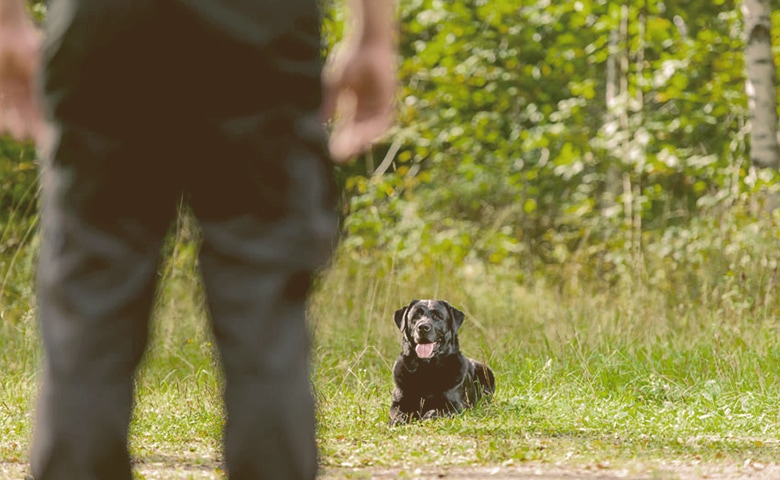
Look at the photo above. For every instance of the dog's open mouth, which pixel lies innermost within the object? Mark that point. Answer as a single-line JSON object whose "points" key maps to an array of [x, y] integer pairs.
{"points": [[425, 350]]}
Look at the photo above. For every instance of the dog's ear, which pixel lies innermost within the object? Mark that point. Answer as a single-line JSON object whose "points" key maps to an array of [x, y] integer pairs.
{"points": [[400, 315], [456, 315]]}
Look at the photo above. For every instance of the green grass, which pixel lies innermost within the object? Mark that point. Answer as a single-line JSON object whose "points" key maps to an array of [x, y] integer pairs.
{"points": [[621, 375], [606, 376]]}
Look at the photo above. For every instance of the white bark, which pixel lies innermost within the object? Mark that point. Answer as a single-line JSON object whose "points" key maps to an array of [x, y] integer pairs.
{"points": [[617, 114], [760, 86]]}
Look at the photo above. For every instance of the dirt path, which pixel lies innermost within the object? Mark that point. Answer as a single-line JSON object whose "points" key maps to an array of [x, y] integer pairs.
{"points": [[748, 471], [671, 471]]}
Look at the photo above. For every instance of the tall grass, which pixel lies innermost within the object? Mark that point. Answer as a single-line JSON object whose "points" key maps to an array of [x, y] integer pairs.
{"points": [[585, 374], [586, 371], [19, 352]]}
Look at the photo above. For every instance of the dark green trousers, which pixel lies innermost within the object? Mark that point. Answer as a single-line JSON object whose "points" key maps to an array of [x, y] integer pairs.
{"points": [[149, 101]]}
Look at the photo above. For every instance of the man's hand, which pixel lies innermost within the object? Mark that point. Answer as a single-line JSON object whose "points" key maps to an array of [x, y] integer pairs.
{"points": [[359, 80], [359, 95], [19, 60]]}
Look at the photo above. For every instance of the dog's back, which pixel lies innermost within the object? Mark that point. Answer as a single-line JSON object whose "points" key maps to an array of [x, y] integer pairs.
{"points": [[484, 377]]}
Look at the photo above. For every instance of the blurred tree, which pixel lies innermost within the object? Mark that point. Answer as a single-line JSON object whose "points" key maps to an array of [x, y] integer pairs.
{"points": [[760, 84], [557, 129], [537, 133]]}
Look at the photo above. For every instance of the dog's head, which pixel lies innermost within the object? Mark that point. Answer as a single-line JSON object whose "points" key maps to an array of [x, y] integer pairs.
{"points": [[429, 327]]}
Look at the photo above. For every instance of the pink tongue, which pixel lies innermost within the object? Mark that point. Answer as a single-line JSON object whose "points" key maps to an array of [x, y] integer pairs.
{"points": [[425, 350]]}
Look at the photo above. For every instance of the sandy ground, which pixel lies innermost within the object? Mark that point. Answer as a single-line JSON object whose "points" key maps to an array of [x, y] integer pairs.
{"points": [[667, 471], [557, 472]]}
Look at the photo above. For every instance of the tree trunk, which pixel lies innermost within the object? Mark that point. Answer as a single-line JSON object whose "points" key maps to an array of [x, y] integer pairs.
{"points": [[760, 85], [616, 95]]}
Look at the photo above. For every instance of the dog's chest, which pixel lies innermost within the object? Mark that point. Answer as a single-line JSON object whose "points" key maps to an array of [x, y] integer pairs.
{"points": [[429, 379]]}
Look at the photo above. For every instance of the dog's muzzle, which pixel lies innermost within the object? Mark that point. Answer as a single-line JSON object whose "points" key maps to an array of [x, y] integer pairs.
{"points": [[423, 338]]}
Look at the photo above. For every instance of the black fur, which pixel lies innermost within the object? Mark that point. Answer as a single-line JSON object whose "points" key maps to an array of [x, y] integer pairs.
{"points": [[444, 383]]}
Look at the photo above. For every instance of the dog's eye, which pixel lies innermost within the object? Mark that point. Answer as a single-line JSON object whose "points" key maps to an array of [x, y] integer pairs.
{"points": [[436, 315]]}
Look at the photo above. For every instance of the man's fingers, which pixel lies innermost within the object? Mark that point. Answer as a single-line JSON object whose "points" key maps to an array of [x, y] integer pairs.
{"points": [[10, 123], [340, 150], [330, 93], [20, 123], [345, 147], [358, 94], [355, 137], [340, 140]]}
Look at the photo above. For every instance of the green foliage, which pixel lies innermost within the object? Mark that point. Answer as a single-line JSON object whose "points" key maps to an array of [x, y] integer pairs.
{"points": [[516, 147], [37, 9]]}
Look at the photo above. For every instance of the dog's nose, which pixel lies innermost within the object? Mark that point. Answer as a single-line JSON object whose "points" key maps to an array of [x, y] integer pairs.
{"points": [[424, 327]]}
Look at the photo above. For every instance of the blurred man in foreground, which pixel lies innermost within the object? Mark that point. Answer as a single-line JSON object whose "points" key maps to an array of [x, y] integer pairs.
{"points": [[142, 102]]}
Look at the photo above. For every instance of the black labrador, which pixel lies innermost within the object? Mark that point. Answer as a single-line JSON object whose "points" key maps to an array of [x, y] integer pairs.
{"points": [[432, 378]]}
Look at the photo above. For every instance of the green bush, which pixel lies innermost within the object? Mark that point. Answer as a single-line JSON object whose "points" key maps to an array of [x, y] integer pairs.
{"points": [[508, 152]]}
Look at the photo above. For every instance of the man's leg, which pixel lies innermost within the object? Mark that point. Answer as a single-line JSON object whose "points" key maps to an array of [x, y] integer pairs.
{"points": [[257, 272], [98, 259], [257, 263], [261, 188], [107, 203]]}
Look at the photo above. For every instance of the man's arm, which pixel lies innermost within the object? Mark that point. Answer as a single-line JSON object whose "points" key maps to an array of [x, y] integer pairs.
{"points": [[360, 80], [374, 21], [19, 57]]}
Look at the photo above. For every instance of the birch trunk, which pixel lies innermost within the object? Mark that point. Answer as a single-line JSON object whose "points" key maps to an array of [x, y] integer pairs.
{"points": [[760, 86], [615, 97]]}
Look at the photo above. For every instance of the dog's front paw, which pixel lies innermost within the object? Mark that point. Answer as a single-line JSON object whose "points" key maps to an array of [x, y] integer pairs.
{"points": [[432, 414], [397, 417]]}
